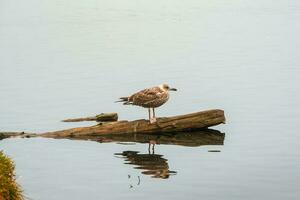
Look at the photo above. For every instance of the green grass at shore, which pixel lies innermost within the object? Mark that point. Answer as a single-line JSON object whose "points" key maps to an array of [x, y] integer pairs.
{"points": [[9, 189]]}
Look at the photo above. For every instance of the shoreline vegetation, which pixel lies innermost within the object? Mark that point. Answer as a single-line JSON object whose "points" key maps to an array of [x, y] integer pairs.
{"points": [[9, 188]]}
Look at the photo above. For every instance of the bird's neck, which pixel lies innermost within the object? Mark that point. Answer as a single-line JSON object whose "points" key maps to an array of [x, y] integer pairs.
{"points": [[163, 89]]}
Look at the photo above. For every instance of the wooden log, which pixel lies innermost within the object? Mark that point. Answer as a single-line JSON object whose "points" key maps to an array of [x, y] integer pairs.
{"points": [[103, 117], [181, 123], [4, 135]]}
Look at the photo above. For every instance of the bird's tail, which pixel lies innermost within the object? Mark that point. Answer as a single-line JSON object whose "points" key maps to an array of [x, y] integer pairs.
{"points": [[125, 100]]}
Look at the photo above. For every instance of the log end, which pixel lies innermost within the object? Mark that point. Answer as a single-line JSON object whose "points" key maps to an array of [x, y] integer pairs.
{"points": [[107, 117]]}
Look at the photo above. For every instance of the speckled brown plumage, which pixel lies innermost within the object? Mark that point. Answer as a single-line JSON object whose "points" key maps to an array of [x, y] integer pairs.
{"points": [[149, 98]]}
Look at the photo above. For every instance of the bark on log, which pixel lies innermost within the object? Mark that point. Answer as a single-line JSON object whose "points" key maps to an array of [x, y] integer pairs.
{"points": [[103, 117], [181, 123]]}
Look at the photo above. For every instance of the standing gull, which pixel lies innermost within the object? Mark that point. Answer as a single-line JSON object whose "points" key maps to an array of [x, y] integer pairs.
{"points": [[149, 98]]}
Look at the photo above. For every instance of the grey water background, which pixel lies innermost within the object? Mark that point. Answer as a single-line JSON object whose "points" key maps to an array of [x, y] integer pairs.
{"points": [[62, 59]]}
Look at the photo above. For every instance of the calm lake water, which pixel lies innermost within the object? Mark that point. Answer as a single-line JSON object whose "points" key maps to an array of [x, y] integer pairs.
{"points": [[62, 59]]}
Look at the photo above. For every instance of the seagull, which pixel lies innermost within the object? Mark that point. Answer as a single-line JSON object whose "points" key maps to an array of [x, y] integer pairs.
{"points": [[149, 98]]}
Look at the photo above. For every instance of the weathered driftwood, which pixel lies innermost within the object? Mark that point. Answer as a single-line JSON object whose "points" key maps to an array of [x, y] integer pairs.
{"points": [[103, 117], [181, 123], [4, 135]]}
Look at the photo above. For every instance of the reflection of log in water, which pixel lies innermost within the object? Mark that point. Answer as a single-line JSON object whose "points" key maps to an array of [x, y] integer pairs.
{"points": [[152, 164], [199, 138]]}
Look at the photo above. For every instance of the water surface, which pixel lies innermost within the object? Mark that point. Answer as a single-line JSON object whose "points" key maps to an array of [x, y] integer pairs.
{"points": [[62, 59]]}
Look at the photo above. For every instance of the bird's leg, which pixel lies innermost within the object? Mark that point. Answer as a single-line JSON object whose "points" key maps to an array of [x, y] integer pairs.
{"points": [[151, 119], [154, 118], [149, 113]]}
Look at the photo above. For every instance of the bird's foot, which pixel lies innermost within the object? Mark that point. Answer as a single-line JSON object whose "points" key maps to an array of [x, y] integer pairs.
{"points": [[152, 120]]}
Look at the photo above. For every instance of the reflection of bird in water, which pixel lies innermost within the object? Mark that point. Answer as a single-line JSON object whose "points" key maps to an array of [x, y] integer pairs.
{"points": [[149, 98], [152, 164]]}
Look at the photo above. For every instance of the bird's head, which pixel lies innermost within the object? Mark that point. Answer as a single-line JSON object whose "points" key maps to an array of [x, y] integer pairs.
{"points": [[166, 87]]}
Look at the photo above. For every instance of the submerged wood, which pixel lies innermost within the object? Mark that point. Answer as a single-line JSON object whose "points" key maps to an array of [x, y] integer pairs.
{"points": [[103, 117], [181, 123]]}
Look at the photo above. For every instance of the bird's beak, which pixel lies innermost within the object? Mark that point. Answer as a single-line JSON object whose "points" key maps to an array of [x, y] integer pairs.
{"points": [[173, 89]]}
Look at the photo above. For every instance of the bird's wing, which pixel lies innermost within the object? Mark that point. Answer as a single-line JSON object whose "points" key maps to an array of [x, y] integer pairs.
{"points": [[146, 96]]}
